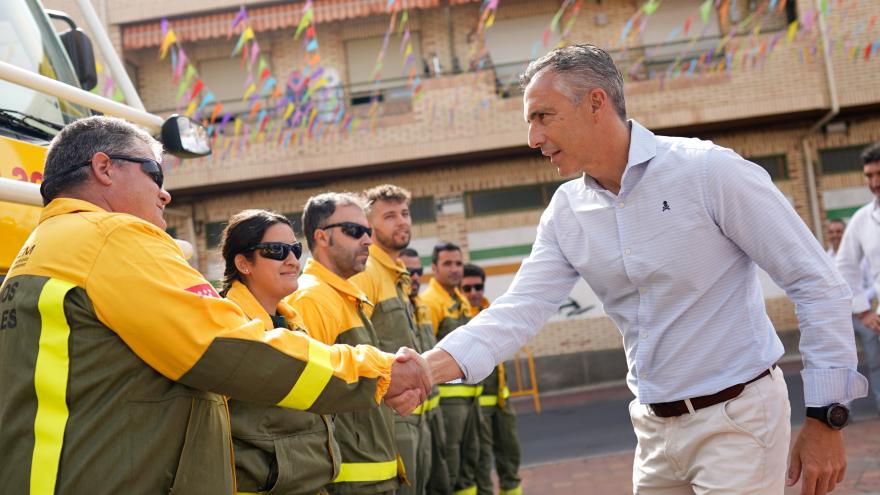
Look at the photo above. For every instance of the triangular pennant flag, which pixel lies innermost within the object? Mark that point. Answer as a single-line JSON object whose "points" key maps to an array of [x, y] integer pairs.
{"points": [[705, 10], [270, 83], [197, 87], [651, 7], [249, 91], [288, 112], [217, 109], [240, 16], [792, 31], [303, 23], [313, 45], [208, 98], [403, 19], [170, 38], [190, 109]]}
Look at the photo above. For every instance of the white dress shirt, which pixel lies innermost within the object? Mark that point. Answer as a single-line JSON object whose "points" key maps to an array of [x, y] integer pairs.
{"points": [[673, 258], [861, 244]]}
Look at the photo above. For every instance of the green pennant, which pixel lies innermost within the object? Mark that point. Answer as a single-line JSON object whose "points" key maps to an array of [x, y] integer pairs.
{"points": [[705, 10]]}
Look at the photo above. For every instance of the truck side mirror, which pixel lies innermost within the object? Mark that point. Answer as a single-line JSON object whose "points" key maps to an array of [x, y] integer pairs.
{"points": [[79, 49], [184, 137]]}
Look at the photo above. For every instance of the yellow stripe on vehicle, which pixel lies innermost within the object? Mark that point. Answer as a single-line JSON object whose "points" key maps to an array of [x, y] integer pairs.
{"points": [[366, 471], [51, 373], [466, 491], [512, 491], [313, 379], [460, 390]]}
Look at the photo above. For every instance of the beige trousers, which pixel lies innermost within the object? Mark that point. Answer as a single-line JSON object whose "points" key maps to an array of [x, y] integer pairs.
{"points": [[736, 447]]}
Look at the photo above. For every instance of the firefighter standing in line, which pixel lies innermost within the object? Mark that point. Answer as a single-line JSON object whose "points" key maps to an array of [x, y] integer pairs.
{"points": [[336, 311], [449, 310], [438, 480], [385, 281], [113, 365], [281, 450], [498, 436]]}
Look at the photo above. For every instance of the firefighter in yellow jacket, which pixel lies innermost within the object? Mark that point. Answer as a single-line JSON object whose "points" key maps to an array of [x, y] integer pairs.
{"points": [[438, 480], [276, 449], [386, 282], [114, 351], [460, 403], [498, 437], [336, 311]]}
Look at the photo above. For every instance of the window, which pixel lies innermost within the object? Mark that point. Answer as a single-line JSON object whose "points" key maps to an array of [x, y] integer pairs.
{"points": [[841, 160], [393, 84], [512, 43], [775, 165], [422, 210], [226, 78], [664, 36], [296, 221], [510, 199], [213, 230]]}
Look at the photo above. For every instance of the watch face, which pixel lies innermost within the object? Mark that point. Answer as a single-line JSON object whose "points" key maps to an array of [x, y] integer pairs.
{"points": [[838, 416]]}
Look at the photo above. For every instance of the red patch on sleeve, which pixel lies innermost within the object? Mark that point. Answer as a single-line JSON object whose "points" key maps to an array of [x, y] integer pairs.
{"points": [[204, 290]]}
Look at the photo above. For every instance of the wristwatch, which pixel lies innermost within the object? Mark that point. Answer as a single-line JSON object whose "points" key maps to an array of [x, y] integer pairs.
{"points": [[836, 415]]}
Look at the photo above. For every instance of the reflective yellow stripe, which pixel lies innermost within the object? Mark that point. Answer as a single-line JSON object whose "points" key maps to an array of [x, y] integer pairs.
{"points": [[467, 491], [366, 471], [312, 380], [433, 402], [427, 405], [492, 400], [460, 390], [50, 383], [512, 491]]}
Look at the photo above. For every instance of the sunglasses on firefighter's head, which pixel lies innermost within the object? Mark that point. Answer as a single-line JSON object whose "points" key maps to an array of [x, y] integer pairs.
{"points": [[468, 288], [351, 229], [278, 251]]}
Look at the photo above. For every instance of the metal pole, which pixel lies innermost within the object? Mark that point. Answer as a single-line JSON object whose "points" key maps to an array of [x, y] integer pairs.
{"points": [[43, 84], [114, 63]]}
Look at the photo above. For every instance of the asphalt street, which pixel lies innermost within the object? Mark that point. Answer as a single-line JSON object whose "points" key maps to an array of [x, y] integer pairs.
{"points": [[586, 424]]}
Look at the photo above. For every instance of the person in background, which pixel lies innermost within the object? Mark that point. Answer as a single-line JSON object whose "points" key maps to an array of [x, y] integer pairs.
{"points": [[386, 282], [498, 437], [438, 480], [335, 311], [858, 259], [449, 310]]}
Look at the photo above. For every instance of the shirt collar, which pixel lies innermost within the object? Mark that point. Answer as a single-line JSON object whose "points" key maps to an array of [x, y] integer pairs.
{"points": [[320, 272], [244, 298], [378, 255], [447, 298], [62, 206], [642, 148]]}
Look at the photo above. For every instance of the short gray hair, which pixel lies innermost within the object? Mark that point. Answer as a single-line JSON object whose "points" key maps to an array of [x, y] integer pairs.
{"points": [[321, 207], [583, 68], [78, 142]]}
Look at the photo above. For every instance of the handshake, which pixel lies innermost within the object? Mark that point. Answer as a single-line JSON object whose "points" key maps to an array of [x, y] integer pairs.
{"points": [[411, 381]]}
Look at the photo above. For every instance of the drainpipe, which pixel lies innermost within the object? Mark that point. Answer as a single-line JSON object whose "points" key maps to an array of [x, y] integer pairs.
{"points": [[835, 109]]}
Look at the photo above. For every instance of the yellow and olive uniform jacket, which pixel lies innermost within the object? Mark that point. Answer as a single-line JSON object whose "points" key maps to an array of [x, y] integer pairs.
{"points": [[115, 356], [335, 311], [278, 449], [425, 341], [495, 390], [447, 314]]}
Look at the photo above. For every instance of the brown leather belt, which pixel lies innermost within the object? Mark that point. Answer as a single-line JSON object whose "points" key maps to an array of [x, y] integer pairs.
{"points": [[677, 408]]}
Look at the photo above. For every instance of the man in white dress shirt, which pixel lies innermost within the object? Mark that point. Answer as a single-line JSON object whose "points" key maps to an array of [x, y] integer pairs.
{"points": [[669, 233], [858, 259]]}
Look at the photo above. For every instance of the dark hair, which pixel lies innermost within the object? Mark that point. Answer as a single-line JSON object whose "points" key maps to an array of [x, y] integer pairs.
{"points": [[244, 230], [582, 68], [472, 270], [321, 207], [409, 252], [78, 142], [871, 154], [837, 220], [443, 246]]}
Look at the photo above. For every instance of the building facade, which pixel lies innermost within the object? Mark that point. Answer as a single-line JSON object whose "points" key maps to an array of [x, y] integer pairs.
{"points": [[440, 114]]}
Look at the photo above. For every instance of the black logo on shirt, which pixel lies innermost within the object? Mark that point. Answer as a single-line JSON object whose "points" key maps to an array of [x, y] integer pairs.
{"points": [[665, 206]]}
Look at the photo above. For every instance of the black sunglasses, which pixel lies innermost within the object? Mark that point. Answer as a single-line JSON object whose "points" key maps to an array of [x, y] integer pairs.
{"points": [[468, 288], [278, 251], [148, 166], [351, 229], [416, 271]]}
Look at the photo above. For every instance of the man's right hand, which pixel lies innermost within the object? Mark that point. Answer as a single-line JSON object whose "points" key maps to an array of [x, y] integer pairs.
{"points": [[410, 381], [870, 319]]}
